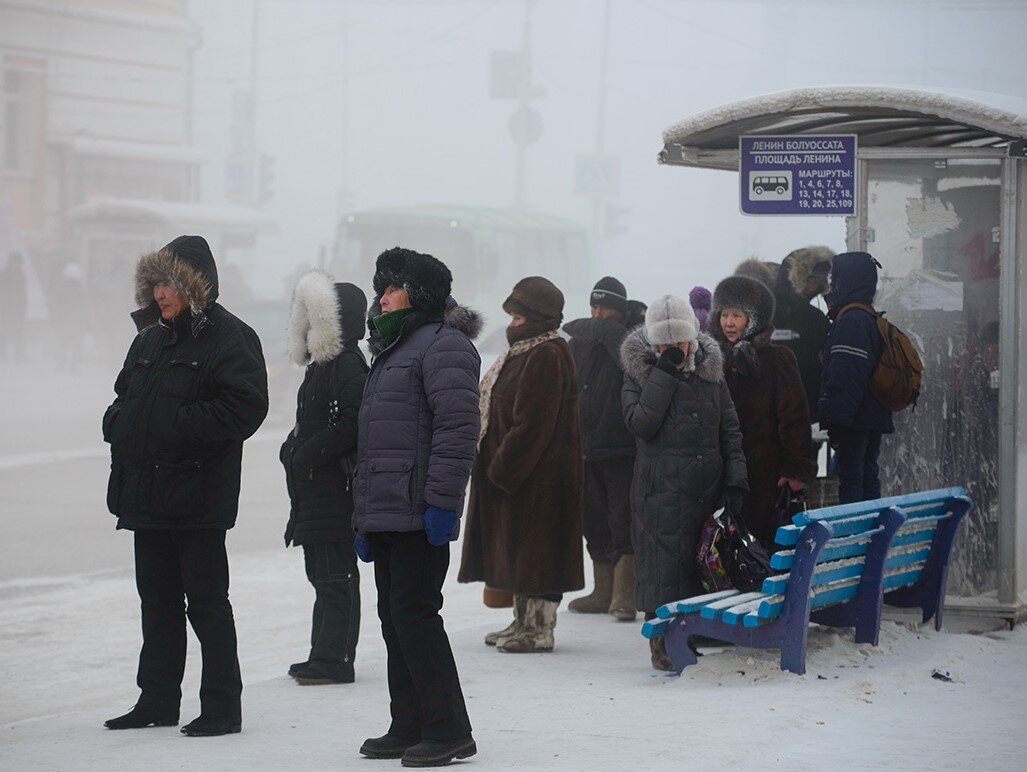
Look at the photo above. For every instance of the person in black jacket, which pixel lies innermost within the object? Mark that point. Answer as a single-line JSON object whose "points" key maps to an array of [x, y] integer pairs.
{"points": [[609, 450], [319, 456], [192, 389], [853, 417]]}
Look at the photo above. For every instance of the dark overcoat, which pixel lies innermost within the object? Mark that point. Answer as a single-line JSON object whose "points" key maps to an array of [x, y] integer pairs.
{"points": [[689, 452], [524, 514], [595, 345], [190, 391], [774, 417]]}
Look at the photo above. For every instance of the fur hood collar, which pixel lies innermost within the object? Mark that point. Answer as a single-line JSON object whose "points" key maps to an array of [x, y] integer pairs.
{"points": [[163, 267], [639, 356], [315, 328]]}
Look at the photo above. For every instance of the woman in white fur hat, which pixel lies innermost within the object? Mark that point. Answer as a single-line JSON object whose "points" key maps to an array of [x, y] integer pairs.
{"points": [[690, 458]]}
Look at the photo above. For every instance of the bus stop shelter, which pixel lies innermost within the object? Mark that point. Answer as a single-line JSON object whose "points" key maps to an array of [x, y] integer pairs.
{"points": [[941, 202]]}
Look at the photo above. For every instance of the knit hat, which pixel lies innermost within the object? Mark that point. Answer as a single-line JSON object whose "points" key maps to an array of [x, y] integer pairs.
{"points": [[699, 298], [750, 296], [670, 320], [426, 279], [537, 299], [609, 293]]}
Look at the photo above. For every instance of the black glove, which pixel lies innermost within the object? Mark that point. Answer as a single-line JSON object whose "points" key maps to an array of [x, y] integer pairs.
{"points": [[670, 359], [733, 501]]}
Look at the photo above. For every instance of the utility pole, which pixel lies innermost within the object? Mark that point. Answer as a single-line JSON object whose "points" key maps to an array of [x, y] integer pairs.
{"points": [[604, 55], [345, 201], [251, 136], [524, 89]]}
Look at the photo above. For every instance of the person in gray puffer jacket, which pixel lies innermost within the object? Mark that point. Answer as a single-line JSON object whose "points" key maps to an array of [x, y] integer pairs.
{"points": [[417, 432], [689, 459]]}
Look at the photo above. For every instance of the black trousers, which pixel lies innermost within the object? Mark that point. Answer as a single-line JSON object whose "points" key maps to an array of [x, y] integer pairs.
{"points": [[607, 517], [172, 566], [332, 571], [859, 477], [426, 700]]}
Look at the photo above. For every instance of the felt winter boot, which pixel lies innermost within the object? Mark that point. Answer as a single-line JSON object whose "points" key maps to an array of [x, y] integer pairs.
{"points": [[514, 627], [658, 654], [598, 602], [622, 603], [536, 633]]}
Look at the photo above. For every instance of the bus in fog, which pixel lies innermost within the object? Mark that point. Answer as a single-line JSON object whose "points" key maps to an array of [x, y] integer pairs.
{"points": [[487, 250]]}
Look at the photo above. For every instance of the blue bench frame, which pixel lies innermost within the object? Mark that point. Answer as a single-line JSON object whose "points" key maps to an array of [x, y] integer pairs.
{"points": [[741, 618]]}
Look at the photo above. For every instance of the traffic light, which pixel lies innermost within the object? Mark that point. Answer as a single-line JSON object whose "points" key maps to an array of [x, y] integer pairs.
{"points": [[613, 220], [266, 179]]}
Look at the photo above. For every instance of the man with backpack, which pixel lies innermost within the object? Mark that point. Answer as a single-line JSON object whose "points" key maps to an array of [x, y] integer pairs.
{"points": [[850, 405]]}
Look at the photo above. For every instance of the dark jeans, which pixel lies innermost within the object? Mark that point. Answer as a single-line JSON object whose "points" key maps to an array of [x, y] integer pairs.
{"points": [[427, 702], [856, 458], [607, 517], [332, 571], [172, 566]]}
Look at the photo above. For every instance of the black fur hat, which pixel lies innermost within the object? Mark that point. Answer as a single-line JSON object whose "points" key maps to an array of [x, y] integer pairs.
{"points": [[426, 279], [752, 297]]}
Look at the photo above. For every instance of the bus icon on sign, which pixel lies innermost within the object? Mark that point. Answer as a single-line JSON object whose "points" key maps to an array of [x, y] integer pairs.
{"points": [[770, 185]]}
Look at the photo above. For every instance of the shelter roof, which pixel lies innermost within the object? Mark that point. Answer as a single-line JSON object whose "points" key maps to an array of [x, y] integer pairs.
{"points": [[879, 116]]}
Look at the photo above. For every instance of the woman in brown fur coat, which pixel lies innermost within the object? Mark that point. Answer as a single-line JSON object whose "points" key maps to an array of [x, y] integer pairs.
{"points": [[769, 397], [524, 513]]}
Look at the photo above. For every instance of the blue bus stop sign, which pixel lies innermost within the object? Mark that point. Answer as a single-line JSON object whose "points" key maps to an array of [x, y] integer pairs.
{"points": [[809, 174]]}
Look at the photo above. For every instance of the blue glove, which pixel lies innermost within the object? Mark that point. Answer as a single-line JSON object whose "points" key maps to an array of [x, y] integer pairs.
{"points": [[441, 525], [363, 549]]}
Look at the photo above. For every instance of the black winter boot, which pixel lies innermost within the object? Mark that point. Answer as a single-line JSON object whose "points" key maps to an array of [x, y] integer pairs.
{"points": [[211, 727], [320, 673], [297, 666], [138, 718], [435, 753], [388, 746]]}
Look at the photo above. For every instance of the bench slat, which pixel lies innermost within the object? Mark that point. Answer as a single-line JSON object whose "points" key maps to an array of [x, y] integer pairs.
{"points": [[733, 615], [690, 605], [846, 547], [903, 576], [788, 535], [841, 511], [712, 610], [825, 572], [654, 628]]}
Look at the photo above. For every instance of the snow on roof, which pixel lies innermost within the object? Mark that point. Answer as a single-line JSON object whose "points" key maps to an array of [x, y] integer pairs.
{"points": [[881, 116], [183, 213]]}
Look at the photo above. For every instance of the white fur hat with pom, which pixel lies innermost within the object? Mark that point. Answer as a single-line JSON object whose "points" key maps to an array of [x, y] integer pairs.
{"points": [[669, 320]]}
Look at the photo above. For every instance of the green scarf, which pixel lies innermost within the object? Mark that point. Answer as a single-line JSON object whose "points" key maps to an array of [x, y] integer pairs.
{"points": [[389, 325]]}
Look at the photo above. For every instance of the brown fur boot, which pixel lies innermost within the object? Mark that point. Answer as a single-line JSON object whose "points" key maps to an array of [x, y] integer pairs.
{"points": [[492, 639], [598, 602], [658, 655], [536, 633], [622, 603]]}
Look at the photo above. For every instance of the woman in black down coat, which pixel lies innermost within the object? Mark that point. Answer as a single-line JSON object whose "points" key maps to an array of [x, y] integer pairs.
{"points": [[319, 457], [689, 459]]}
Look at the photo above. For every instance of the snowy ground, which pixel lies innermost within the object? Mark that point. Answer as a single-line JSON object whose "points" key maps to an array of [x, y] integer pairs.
{"points": [[69, 637]]}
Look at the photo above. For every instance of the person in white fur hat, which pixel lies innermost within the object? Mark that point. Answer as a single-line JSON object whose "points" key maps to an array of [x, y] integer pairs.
{"points": [[690, 459]]}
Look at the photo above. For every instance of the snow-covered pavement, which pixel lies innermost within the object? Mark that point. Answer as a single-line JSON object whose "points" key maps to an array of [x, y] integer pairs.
{"points": [[69, 649], [69, 638]]}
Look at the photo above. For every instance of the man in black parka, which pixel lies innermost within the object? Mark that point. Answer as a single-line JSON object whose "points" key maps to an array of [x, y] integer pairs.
{"points": [[319, 456], [192, 389], [609, 450]]}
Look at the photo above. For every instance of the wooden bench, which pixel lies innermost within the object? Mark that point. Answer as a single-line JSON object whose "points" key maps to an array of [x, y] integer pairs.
{"points": [[841, 564]]}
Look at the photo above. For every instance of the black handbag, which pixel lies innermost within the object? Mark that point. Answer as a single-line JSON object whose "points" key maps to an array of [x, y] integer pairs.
{"points": [[744, 558], [789, 503]]}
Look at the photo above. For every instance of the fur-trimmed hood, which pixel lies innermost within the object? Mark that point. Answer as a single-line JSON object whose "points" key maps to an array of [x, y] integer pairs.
{"points": [[806, 262], [186, 264], [461, 318], [639, 357], [325, 316]]}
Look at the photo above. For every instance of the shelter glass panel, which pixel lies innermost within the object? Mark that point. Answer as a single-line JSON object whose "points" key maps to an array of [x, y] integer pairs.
{"points": [[936, 231]]}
